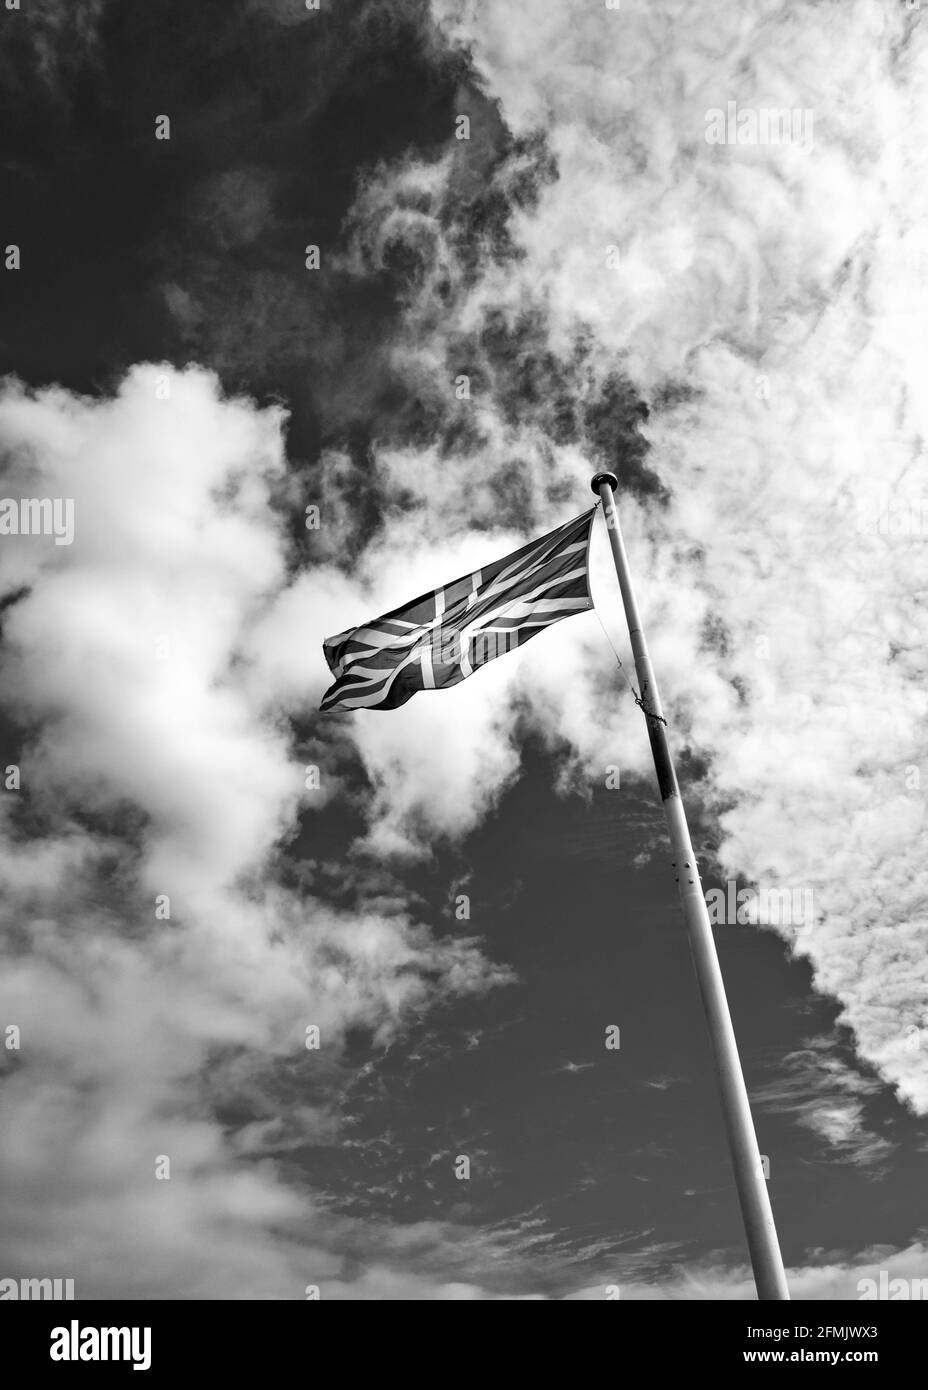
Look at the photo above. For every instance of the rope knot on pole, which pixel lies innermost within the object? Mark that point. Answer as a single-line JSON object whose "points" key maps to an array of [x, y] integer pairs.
{"points": [[648, 713]]}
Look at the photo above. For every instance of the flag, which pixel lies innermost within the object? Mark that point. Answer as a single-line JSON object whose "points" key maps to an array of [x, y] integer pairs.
{"points": [[444, 636]]}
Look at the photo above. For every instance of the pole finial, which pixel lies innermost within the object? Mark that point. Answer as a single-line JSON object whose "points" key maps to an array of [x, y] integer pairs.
{"points": [[600, 478]]}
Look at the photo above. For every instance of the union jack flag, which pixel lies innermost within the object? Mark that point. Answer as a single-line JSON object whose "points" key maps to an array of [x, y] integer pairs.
{"points": [[446, 635]]}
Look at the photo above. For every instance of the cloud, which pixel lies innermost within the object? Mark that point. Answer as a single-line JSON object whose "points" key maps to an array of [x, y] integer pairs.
{"points": [[828, 1097], [766, 300], [831, 1278], [58, 42], [736, 329], [159, 965]]}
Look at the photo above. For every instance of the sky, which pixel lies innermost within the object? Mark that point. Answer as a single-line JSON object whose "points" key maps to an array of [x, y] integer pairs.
{"points": [[427, 267]]}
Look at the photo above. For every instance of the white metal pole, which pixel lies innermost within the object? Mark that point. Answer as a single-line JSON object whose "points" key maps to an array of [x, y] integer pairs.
{"points": [[767, 1263]]}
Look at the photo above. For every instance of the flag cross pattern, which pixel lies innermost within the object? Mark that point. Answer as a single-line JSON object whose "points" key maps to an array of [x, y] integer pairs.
{"points": [[442, 637]]}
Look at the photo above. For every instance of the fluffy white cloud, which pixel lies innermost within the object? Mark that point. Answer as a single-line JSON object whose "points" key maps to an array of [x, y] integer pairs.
{"points": [[772, 296], [147, 664]]}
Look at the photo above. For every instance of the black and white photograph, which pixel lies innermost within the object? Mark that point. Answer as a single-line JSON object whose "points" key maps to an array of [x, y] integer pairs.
{"points": [[463, 655]]}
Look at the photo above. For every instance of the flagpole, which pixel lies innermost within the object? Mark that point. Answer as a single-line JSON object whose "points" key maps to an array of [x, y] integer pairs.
{"points": [[766, 1260]]}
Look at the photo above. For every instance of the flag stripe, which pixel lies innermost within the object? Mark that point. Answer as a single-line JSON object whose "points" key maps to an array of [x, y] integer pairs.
{"points": [[442, 637]]}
